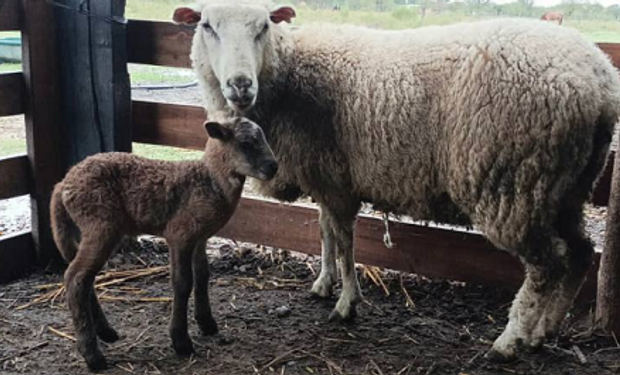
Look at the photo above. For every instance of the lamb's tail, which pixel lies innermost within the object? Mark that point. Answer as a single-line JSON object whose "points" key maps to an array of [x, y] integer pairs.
{"points": [[63, 228]]}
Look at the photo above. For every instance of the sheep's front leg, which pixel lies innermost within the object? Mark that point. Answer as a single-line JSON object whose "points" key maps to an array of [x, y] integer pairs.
{"points": [[323, 287], [181, 275], [351, 293], [202, 311]]}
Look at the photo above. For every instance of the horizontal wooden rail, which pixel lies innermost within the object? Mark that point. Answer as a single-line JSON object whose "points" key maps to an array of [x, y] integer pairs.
{"points": [[10, 15], [15, 179], [169, 124], [425, 250], [16, 255], [12, 94], [159, 43]]}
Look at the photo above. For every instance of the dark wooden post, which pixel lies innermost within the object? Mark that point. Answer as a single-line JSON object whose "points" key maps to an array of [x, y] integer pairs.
{"points": [[42, 117], [96, 93], [608, 295]]}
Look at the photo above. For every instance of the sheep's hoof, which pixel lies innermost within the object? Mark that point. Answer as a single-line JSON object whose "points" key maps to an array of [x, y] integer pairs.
{"points": [[496, 356], [321, 289], [336, 316], [208, 327], [108, 334], [183, 348], [96, 361]]}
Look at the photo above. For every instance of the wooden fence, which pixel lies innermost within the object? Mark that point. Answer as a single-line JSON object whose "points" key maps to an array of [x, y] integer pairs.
{"points": [[430, 251]]}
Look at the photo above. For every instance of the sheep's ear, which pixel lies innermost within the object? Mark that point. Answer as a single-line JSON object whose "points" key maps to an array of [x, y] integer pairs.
{"points": [[282, 14], [218, 131], [186, 16]]}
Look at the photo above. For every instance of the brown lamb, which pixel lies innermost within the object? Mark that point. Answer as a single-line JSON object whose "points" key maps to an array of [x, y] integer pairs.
{"points": [[108, 196]]}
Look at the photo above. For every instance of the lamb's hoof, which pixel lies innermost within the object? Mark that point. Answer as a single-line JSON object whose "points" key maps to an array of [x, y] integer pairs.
{"points": [[183, 348], [108, 335], [208, 327], [496, 356], [321, 289], [347, 317], [96, 361]]}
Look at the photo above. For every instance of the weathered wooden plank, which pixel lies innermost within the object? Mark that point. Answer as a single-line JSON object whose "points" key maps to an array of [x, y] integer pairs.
{"points": [[17, 255], [15, 180], [608, 297], [428, 251], [159, 43], [169, 124], [10, 15], [95, 90], [600, 195], [12, 94], [613, 50], [43, 130]]}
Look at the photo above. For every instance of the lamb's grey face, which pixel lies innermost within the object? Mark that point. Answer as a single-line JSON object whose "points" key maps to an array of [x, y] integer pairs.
{"points": [[235, 38], [256, 157], [246, 144]]}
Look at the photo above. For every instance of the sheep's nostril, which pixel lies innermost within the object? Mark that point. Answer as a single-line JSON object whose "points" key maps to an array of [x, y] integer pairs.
{"points": [[241, 83], [270, 169]]}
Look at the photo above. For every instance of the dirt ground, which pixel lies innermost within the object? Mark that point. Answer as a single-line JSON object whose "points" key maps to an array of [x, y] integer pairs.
{"points": [[269, 324]]}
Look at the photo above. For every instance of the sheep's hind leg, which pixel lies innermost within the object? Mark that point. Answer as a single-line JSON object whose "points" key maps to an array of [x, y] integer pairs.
{"points": [[351, 293], [202, 311], [94, 250], [579, 260], [323, 287], [543, 274], [102, 326]]}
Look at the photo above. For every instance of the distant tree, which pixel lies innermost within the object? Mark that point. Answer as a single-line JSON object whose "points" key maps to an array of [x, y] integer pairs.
{"points": [[614, 10]]}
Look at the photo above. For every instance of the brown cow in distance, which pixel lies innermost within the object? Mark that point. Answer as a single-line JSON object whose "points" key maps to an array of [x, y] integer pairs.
{"points": [[553, 16]]}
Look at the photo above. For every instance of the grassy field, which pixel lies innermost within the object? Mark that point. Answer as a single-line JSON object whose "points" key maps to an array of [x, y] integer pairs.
{"points": [[18, 146]]}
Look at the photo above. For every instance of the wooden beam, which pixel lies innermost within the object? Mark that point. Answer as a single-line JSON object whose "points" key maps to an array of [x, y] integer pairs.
{"points": [[12, 94], [16, 255], [613, 51], [602, 189], [608, 297], [425, 250], [10, 15], [159, 43], [94, 82], [169, 124], [43, 131], [16, 180]]}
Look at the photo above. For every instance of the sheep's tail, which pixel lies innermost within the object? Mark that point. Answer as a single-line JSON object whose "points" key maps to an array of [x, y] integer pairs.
{"points": [[63, 228]]}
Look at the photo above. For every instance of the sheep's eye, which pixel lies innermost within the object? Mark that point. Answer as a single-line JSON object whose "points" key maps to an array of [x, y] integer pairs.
{"points": [[208, 28], [263, 31], [265, 28]]}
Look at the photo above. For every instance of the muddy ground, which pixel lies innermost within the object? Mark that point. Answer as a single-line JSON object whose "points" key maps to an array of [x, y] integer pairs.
{"points": [[269, 325]]}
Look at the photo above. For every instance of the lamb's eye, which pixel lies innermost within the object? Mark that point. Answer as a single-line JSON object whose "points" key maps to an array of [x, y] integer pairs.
{"points": [[247, 146], [265, 28]]}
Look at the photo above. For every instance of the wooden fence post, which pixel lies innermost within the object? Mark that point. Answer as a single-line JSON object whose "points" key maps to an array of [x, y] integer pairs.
{"points": [[608, 295], [42, 117], [96, 93]]}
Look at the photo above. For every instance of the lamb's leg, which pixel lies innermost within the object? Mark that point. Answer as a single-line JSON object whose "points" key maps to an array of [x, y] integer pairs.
{"points": [[543, 274], [323, 287], [102, 326], [181, 254], [351, 293], [202, 311], [94, 250]]}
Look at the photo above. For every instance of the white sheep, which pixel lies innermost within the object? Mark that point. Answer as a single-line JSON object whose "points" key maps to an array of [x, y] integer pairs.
{"points": [[501, 124]]}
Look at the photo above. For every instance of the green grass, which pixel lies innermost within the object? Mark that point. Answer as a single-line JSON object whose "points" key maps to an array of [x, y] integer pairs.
{"points": [[10, 67], [10, 146], [165, 152], [145, 74]]}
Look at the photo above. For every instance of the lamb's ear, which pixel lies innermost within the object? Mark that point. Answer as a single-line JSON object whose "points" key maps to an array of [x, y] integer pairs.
{"points": [[284, 13], [218, 131], [186, 16]]}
